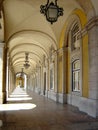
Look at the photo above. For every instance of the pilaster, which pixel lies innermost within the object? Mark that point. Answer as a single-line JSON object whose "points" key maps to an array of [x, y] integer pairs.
{"points": [[93, 72], [47, 78], [93, 63], [62, 97], [91, 103], [2, 73]]}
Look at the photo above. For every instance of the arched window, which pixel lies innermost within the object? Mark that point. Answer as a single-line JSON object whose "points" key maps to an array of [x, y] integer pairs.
{"points": [[74, 37], [76, 75]]}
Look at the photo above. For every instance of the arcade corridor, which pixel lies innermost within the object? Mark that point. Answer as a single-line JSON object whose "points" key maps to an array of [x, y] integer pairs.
{"points": [[36, 112], [48, 71]]}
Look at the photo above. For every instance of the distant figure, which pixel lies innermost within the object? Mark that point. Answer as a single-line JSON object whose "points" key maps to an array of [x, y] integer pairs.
{"points": [[1, 123]]}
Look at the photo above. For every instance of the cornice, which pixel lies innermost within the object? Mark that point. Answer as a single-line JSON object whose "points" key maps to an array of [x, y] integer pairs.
{"points": [[91, 23]]}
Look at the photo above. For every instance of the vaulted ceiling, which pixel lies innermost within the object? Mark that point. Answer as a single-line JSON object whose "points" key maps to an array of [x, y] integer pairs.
{"points": [[27, 30]]}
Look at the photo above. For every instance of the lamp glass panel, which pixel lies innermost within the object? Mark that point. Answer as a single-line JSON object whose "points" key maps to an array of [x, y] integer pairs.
{"points": [[52, 12]]}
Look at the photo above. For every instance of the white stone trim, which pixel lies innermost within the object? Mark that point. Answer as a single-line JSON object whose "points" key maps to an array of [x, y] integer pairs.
{"points": [[52, 95], [73, 99], [91, 23], [86, 105], [89, 106], [61, 98]]}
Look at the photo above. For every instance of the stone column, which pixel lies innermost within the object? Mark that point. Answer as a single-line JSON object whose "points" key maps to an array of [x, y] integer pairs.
{"points": [[38, 80], [9, 81], [47, 77], [41, 80], [2, 73], [10, 88], [7, 75], [93, 72]]}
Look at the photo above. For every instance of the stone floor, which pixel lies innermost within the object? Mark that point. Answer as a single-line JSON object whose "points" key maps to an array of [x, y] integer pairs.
{"points": [[35, 112]]}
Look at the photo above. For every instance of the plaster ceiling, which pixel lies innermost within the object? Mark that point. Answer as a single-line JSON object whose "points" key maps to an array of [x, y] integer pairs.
{"points": [[26, 30]]}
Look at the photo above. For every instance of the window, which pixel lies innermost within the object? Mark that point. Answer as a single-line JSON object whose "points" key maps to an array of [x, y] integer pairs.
{"points": [[74, 38], [51, 79], [76, 75]]}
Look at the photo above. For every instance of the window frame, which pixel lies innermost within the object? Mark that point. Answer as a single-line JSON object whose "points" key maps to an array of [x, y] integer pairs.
{"points": [[52, 76], [76, 71]]}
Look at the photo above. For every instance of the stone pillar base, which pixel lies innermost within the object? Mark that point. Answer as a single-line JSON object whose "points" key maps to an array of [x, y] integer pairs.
{"points": [[46, 93], [89, 106], [62, 98], [2, 97], [52, 95]]}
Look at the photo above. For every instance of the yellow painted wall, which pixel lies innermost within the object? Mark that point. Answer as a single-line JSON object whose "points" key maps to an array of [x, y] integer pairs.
{"points": [[60, 74], [85, 89], [68, 67], [82, 18], [85, 66]]}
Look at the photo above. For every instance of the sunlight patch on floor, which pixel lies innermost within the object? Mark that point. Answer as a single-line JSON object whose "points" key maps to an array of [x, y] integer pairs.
{"points": [[19, 99], [19, 94], [19, 106]]}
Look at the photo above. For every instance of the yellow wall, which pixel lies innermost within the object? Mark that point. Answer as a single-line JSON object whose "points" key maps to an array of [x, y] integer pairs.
{"points": [[68, 67], [83, 21], [60, 74], [85, 66]]}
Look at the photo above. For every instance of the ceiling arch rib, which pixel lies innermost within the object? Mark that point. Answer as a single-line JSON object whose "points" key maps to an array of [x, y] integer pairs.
{"points": [[32, 63], [32, 36], [29, 46], [20, 62], [26, 71], [18, 59], [19, 66], [39, 51], [16, 56]]}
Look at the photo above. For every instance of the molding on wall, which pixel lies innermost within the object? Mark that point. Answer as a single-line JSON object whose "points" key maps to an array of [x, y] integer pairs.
{"points": [[91, 23]]}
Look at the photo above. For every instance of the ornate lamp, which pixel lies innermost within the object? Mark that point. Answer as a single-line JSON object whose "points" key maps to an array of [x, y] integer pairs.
{"points": [[26, 65], [51, 11]]}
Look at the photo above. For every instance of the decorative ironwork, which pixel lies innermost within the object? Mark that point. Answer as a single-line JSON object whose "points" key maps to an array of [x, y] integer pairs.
{"points": [[51, 11]]}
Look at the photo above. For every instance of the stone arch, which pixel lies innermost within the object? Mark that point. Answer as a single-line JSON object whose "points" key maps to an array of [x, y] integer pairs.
{"points": [[79, 14]]}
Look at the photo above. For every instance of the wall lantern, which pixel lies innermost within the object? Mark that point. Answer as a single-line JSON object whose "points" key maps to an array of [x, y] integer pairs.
{"points": [[51, 11]]}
